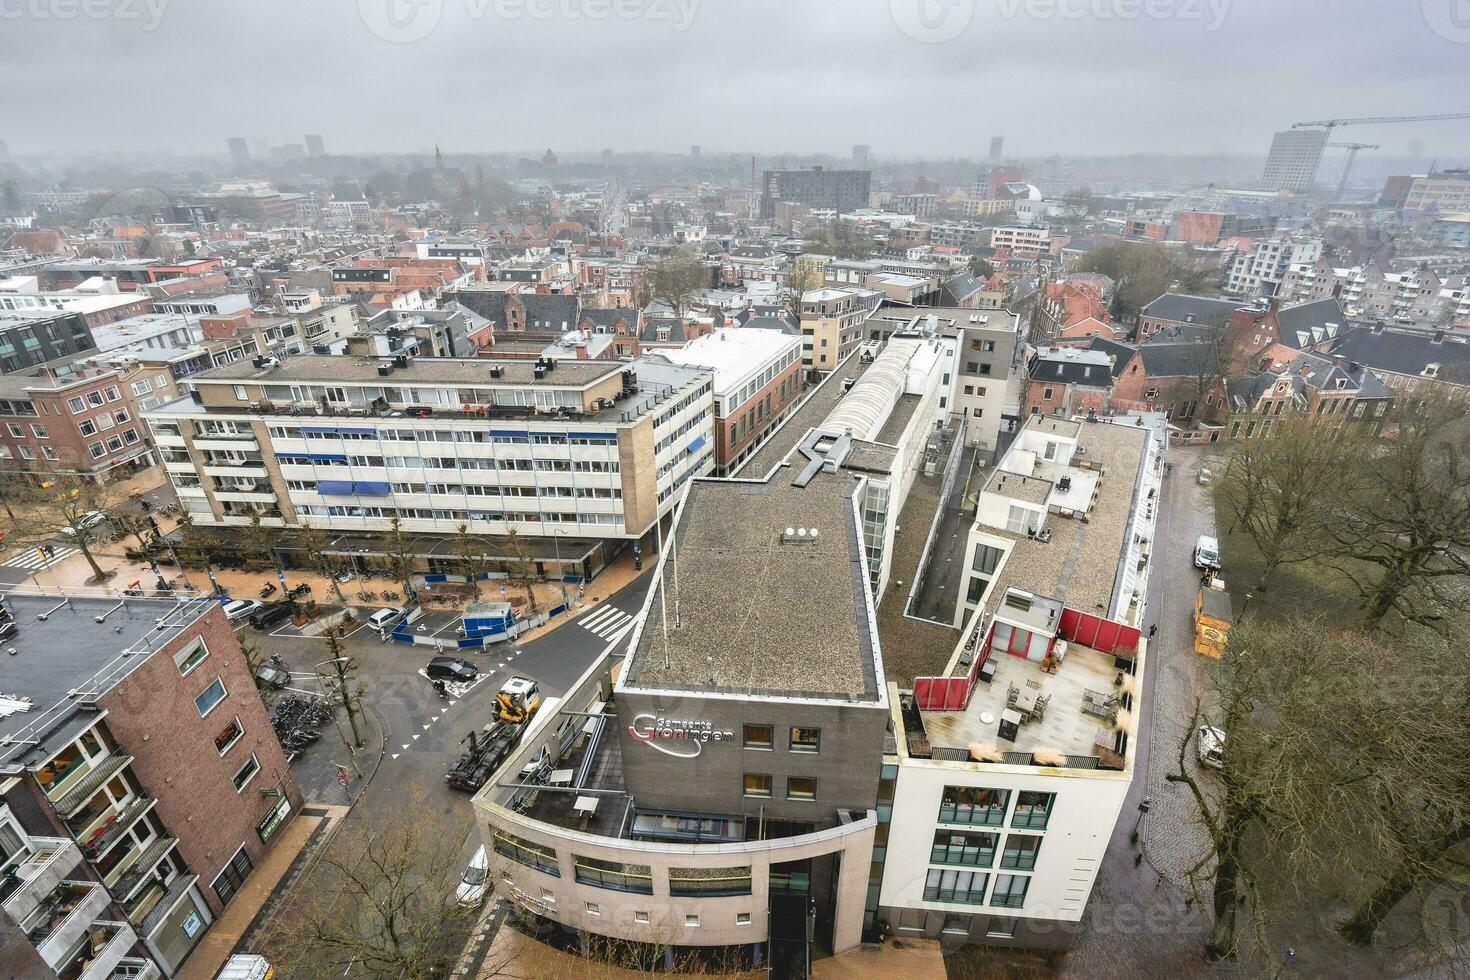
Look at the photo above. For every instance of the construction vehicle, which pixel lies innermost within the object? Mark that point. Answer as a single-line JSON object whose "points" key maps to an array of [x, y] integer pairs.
{"points": [[517, 701], [1213, 615], [484, 752]]}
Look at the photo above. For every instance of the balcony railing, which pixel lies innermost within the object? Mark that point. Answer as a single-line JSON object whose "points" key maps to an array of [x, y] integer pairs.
{"points": [[131, 883], [77, 796], [109, 833], [111, 955], [171, 896]]}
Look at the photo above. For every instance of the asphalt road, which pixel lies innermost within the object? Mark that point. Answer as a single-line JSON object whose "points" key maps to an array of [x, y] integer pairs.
{"points": [[422, 731]]}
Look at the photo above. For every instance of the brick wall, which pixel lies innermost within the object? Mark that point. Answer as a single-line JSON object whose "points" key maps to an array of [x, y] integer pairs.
{"points": [[153, 714]]}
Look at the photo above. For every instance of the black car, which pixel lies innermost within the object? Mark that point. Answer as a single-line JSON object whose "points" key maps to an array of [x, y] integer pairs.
{"points": [[272, 613], [451, 669]]}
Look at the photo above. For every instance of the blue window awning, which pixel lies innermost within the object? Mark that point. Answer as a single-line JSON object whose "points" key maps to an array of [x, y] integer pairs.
{"points": [[696, 444], [353, 488], [512, 433], [327, 457]]}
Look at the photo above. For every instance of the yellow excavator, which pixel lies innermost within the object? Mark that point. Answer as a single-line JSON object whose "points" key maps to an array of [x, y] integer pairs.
{"points": [[517, 701]]}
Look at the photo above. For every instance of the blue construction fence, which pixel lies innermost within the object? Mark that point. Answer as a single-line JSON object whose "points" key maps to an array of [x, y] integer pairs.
{"points": [[496, 631]]}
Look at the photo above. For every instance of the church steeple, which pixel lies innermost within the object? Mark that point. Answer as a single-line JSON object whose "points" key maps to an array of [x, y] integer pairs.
{"points": [[438, 160]]}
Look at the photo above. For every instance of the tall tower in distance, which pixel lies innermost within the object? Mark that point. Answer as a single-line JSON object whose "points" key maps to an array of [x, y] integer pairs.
{"points": [[1292, 163], [997, 147], [695, 151], [239, 153], [314, 145], [861, 153]]}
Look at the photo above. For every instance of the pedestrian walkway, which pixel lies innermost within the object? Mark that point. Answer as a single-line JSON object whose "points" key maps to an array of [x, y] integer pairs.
{"points": [[913, 959], [605, 622], [32, 561], [220, 941]]}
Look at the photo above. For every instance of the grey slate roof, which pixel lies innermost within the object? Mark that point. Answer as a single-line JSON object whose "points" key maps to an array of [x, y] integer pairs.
{"points": [[1121, 352], [1306, 324], [1398, 352], [1175, 360], [1064, 371], [1191, 309]]}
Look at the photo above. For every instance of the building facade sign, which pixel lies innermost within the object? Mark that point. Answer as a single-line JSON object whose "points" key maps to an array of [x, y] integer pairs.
{"points": [[681, 739]]}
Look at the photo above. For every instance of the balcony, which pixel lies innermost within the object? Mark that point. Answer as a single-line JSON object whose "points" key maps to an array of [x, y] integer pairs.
{"points": [[131, 883], [88, 782], [54, 859], [166, 902], [135, 968], [64, 917], [108, 834], [120, 940]]}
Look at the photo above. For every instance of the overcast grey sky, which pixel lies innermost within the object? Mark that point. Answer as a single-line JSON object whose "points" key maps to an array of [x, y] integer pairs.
{"points": [[914, 78]]}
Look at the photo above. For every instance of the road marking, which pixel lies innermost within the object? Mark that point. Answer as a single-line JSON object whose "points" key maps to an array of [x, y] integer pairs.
{"points": [[31, 561], [605, 621]]}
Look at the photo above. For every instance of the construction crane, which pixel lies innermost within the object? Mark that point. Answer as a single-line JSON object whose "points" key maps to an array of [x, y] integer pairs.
{"points": [[1347, 168], [1330, 124]]}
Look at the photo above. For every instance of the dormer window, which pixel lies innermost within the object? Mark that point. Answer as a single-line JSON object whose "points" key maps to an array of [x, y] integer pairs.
{"points": [[1431, 370]]}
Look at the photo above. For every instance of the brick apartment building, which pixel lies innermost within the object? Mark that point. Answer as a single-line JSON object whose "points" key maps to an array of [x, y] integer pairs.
{"points": [[140, 780], [84, 423]]}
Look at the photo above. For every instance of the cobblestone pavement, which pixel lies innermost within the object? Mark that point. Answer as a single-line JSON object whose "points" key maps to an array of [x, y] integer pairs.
{"points": [[1173, 839]]}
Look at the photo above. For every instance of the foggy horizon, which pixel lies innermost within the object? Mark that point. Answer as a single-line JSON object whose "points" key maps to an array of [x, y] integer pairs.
{"points": [[1192, 78]]}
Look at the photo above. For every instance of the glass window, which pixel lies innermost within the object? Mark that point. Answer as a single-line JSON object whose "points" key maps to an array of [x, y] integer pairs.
{"points": [[1020, 852], [801, 788], [960, 847], [245, 773], [228, 736], [211, 697], [955, 886], [1033, 809], [1010, 891], [758, 736], [956, 924], [191, 657], [973, 805], [614, 875], [987, 559], [709, 881], [757, 784], [806, 739], [999, 928], [525, 852]]}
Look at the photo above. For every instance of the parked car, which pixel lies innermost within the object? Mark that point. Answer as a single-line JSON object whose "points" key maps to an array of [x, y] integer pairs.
{"points": [[1207, 553], [1210, 743], [241, 608], [451, 669], [1205, 477], [272, 677], [471, 890], [272, 613], [387, 617], [87, 521]]}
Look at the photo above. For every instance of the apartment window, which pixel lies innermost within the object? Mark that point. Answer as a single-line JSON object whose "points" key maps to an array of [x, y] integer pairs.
{"points": [[76, 405], [1046, 394], [1151, 393], [976, 850], [16, 430], [691, 921], [593, 908], [239, 392], [50, 453], [210, 698], [956, 924], [1010, 891], [640, 917], [987, 559], [984, 369], [973, 805], [967, 887], [614, 875], [26, 452], [1000, 928], [801, 788], [245, 773], [969, 389], [228, 736], [806, 739], [121, 415], [742, 918], [758, 784], [228, 881], [87, 427], [191, 657], [96, 449], [113, 394], [1020, 852], [525, 852], [758, 737], [39, 431], [1033, 810]]}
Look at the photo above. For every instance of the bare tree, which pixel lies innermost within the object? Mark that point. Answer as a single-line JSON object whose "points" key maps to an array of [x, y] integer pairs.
{"points": [[342, 669], [68, 505], [522, 571], [314, 541], [676, 278], [1404, 527], [381, 903], [1283, 490], [399, 556], [471, 552]]}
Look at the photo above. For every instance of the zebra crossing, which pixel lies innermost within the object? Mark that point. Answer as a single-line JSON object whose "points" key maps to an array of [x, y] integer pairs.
{"points": [[605, 622], [32, 562]]}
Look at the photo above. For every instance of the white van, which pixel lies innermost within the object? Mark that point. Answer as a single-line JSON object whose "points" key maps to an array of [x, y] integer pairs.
{"points": [[386, 617], [1207, 553]]}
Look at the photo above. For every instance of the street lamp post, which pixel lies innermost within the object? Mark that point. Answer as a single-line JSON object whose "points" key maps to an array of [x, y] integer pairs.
{"points": [[1143, 808]]}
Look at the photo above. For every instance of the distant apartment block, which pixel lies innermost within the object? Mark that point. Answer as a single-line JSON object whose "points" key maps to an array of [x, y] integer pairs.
{"points": [[842, 190], [1291, 164], [832, 321]]}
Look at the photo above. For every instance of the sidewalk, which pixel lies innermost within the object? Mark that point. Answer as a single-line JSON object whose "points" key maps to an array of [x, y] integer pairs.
{"points": [[222, 938]]}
